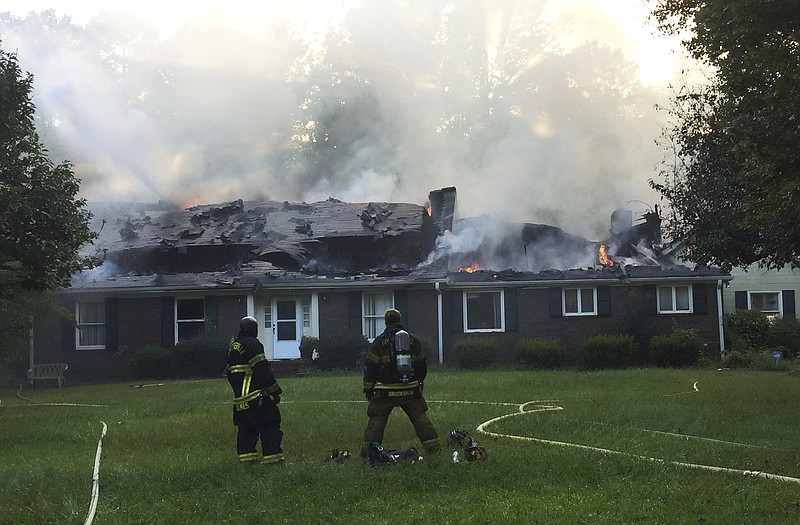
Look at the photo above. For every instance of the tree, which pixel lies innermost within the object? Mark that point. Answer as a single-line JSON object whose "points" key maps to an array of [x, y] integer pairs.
{"points": [[734, 185], [42, 222]]}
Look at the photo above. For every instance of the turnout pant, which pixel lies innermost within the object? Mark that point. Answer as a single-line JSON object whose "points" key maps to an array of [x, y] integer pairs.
{"points": [[260, 420], [379, 409]]}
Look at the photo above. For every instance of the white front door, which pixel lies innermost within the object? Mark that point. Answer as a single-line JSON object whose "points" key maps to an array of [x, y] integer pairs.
{"points": [[286, 328]]}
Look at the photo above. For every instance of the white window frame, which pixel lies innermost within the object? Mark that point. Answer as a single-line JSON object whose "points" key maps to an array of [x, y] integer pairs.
{"points": [[768, 313], [579, 301], [501, 306], [82, 323], [673, 309], [373, 312], [178, 322]]}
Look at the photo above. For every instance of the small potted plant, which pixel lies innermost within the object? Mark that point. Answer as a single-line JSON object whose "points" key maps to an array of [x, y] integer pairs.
{"points": [[308, 343]]}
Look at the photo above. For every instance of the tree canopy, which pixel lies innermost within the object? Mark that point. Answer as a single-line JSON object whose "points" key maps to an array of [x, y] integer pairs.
{"points": [[734, 185], [42, 222]]}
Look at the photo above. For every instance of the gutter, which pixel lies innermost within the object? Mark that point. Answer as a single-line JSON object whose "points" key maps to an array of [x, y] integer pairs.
{"points": [[439, 321], [719, 318]]}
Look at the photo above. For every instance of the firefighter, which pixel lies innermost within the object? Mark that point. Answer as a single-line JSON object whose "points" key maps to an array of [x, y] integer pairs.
{"points": [[394, 371], [256, 395]]}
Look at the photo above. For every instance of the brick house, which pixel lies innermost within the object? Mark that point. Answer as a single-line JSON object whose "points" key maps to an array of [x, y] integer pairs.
{"points": [[316, 269]]}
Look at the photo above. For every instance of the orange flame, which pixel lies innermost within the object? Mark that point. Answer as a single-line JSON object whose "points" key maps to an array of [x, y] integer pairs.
{"points": [[428, 209], [605, 259], [474, 267]]}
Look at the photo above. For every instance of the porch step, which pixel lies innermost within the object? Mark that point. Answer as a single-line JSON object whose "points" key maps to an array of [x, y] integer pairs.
{"points": [[287, 367]]}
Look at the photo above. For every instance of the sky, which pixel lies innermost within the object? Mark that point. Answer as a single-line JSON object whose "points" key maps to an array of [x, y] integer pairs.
{"points": [[537, 111]]}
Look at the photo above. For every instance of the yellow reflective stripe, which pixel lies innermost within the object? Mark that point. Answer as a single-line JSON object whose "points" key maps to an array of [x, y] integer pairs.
{"points": [[235, 369], [273, 458], [248, 377], [257, 359], [375, 358], [249, 456], [249, 397]]}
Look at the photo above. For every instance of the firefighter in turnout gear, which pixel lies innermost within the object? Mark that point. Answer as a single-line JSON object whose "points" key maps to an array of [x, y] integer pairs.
{"points": [[256, 395], [394, 371]]}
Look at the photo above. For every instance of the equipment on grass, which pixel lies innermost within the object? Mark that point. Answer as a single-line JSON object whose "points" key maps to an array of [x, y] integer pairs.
{"points": [[378, 457], [339, 455], [472, 451]]}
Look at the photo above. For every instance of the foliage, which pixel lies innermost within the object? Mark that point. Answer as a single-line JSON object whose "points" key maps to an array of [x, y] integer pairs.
{"points": [[42, 223], [178, 440], [344, 350], [475, 352], [681, 347], [541, 353], [201, 356], [763, 361], [745, 329], [308, 343], [152, 362], [785, 333], [733, 186], [607, 351]]}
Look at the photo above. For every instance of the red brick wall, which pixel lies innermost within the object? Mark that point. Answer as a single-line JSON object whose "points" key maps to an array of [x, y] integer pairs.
{"points": [[334, 312], [628, 315]]}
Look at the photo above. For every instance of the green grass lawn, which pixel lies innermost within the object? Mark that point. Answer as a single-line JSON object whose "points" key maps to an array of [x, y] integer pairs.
{"points": [[604, 447]]}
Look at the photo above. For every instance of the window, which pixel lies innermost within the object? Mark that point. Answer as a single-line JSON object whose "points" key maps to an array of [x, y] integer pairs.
{"points": [[305, 305], [374, 306], [190, 317], [580, 301], [90, 330], [769, 303], [675, 299], [483, 311]]}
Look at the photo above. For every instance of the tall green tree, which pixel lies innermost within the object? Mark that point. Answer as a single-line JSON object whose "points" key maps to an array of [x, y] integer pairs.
{"points": [[734, 183], [42, 222]]}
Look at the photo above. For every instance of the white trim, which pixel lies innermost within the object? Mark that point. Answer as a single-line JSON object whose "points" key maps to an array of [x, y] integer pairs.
{"points": [[78, 324], [579, 313], [779, 293], [465, 312], [674, 299], [175, 322], [378, 315]]}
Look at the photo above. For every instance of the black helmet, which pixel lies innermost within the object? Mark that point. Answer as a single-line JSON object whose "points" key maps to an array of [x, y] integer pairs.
{"points": [[248, 325]]}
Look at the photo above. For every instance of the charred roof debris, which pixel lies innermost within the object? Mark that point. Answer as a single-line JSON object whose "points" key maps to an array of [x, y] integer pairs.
{"points": [[247, 244]]}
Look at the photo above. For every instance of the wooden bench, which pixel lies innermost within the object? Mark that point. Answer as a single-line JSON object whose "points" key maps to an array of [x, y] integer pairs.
{"points": [[48, 371]]}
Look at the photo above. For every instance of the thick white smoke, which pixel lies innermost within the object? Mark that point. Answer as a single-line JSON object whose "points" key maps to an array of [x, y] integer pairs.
{"points": [[532, 113]]}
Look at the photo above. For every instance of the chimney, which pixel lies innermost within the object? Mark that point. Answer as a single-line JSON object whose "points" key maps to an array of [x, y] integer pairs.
{"points": [[621, 220]]}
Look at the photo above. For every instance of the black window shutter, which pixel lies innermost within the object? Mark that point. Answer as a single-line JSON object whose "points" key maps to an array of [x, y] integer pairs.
{"points": [[788, 303], [112, 324], [211, 314], [167, 321], [401, 304], [741, 300], [604, 301], [67, 335], [700, 298], [457, 312], [511, 309], [650, 300], [555, 302], [354, 309]]}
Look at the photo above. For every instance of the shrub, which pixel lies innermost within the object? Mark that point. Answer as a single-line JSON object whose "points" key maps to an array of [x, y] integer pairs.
{"points": [[607, 351], [541, 353], [343, 350], [763, 361], [785, 333], [201, 356], [473, 352], [734, 359], [152, 362], [681, 347], [308, 343], [746, 329]]}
